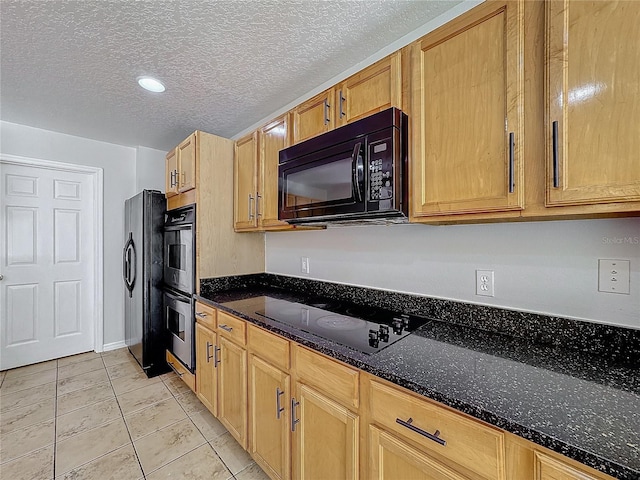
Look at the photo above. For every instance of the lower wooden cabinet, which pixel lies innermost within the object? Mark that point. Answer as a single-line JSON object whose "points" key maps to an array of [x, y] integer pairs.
{"points": [[303, 415], [326, 438], [206, 367], [391, 458], [232, 389], [269, 418]]}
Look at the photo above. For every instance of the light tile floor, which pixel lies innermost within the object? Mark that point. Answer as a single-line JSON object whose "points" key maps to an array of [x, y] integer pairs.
{"points": [[97, 416]]}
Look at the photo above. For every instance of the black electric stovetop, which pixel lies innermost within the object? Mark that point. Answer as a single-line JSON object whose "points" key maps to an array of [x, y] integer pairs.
{"points": [[366, 329]]}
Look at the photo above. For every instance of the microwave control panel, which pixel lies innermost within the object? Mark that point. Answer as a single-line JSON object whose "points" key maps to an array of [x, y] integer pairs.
{"points": [[381, 174]]}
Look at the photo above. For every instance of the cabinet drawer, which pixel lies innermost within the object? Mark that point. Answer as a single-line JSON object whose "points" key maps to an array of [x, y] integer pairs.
{"points": [[232, 327], [185, 375], [269, 347], [336, 380], [205, 315], [472, 445]]}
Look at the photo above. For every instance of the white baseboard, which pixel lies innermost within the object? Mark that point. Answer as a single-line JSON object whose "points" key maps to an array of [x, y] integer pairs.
{"points": [[113, 346]]}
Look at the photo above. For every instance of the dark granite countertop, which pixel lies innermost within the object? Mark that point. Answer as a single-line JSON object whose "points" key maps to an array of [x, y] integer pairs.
{"points": [[581, 405]]}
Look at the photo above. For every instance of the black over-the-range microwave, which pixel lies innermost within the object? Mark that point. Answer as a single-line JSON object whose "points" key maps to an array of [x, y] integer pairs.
{"points": [[355, 172]]}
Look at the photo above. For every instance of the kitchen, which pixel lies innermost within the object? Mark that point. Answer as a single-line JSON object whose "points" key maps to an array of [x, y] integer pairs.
{"points": [[544, 267]]}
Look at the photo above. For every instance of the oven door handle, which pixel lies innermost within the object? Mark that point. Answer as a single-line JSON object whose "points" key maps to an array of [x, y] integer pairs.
{"points": [[358, 170]]}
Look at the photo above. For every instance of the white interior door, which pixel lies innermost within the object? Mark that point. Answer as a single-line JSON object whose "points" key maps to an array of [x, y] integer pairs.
{"points": [[48, 264]]}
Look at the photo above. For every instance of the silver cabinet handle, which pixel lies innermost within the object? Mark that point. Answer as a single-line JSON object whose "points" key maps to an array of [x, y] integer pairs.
{"points": [[216, 359], [258, 197], [294, 420], [512, 146], [279, 409], [250, 209], [201, 314], [342, 100], [435, 436], [226, 328], [326, 111]]}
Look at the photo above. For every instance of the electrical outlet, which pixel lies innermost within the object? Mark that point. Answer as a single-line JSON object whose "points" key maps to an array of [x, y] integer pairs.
{"points": [[304, 264], [484, 283], [613, 276]]}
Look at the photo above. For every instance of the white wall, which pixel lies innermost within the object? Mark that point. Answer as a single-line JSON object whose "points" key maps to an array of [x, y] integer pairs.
{"points": [[150, 168], [544, 267], [123, 178]]}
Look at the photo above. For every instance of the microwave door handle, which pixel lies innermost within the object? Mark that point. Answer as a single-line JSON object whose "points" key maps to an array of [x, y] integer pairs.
{"points": [[357, 165]]}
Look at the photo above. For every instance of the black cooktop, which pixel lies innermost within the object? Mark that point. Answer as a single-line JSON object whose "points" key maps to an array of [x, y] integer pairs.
{"points": [[366, 329]]}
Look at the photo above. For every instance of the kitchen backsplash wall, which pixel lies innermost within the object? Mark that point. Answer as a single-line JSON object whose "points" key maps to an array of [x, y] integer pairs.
{"points": [[543, 267]]}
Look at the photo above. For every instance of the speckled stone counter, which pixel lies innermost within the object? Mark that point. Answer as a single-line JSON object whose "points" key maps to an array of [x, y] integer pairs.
{"points": [[579, 398]]}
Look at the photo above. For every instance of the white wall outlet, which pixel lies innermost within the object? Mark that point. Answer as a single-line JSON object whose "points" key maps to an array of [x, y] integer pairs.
{"points": [[304, 264], [613, 276], [484, 283]]}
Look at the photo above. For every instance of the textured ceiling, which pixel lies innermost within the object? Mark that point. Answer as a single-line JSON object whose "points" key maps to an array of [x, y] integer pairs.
{"points": [[71, 66]]}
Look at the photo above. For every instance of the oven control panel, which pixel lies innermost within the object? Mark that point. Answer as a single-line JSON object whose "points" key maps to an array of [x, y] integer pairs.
{"points": [[381, 174]]}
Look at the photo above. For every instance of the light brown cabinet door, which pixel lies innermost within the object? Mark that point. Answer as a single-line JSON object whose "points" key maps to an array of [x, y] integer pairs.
{"points": [[467, 114], [171, 183], [391, 458], [269, 438], [548, 468], [232, 389], [372, 90], [206, 370], [187, 164], [245, 170], [273, 138], [313, 117], [325, 438], [593, 113]]}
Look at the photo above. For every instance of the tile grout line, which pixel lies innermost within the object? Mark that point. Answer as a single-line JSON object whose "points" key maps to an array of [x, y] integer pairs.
{"points": [[126, 426]]}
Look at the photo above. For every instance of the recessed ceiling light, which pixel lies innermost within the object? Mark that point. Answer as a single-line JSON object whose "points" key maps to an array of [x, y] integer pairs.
{"points": [[151, 84]]}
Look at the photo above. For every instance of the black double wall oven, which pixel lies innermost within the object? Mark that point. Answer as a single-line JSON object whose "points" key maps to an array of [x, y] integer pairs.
{"points": [[179, 281]]}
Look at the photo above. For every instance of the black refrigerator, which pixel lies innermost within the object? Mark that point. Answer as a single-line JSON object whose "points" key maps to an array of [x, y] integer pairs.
{"points": [[145, 334]]}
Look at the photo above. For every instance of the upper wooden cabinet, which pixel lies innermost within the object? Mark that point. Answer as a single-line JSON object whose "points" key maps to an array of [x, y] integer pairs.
{"points": [[273, 137], [181, 167], [256, 177], [245, 173], [313, 117], [187, 164], [171, 180], [372, 90], [467, 114], [592, 110]]}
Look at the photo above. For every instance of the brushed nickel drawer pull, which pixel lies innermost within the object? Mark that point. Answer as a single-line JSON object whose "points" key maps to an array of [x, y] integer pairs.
{"points": [[226, 328], [435, 436], [201, 314]]}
